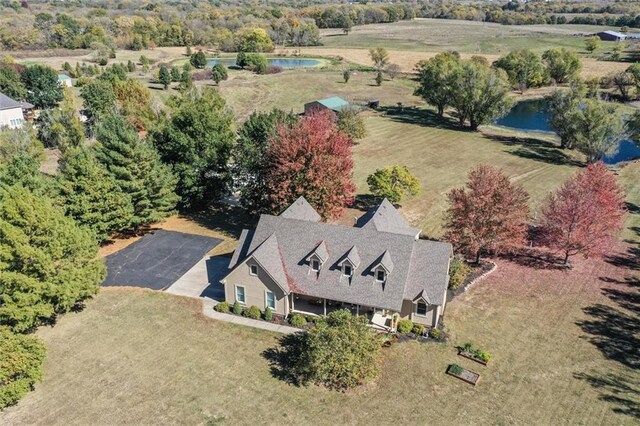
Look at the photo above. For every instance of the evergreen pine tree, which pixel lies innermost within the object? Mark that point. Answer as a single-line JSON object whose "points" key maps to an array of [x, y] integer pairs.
{"points": [[48, 264], [137, 169], [91, 195]]}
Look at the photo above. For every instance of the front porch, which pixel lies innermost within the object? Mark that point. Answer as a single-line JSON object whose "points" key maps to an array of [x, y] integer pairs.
{"points": [[379, 319]]}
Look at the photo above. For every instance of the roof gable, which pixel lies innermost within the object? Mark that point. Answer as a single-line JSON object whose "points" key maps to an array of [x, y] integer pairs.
{"points": [[385, 262], [8, 103], [335, 103], [301, 210], [352, 257], [268, 256], [321, 252], [386, 218]]}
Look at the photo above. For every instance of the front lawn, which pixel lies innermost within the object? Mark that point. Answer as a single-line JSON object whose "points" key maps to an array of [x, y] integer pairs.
{"points": [[563, 352]]}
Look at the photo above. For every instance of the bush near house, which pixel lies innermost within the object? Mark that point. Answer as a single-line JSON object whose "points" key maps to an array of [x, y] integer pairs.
{"points": [[297, 320], [237, 308], [268, 314], [458, 272], [436, 333], [418, 329], [252, 312], [223, 307], [405, 326]]}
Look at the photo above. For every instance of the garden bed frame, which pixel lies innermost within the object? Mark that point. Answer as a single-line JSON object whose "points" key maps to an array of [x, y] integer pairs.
{"points": [[472, 357], [467, 376]]}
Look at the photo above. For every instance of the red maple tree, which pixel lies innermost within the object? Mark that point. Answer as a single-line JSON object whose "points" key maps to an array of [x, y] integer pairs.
{"points": [[584, 214], [490, 214], [311, 159]]}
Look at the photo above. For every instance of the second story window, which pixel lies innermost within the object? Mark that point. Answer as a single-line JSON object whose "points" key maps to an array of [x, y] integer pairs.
{"points": [[347, 270], [381, 275], [253, 270], [315, 265]]}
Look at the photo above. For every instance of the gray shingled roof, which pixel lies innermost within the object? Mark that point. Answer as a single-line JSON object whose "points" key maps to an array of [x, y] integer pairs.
{"points": [[418, 266], [301, 210], [8, 103], [267, 255], [352, 256], [385, 218], [241, 252], [321, 252], [386, 262]]}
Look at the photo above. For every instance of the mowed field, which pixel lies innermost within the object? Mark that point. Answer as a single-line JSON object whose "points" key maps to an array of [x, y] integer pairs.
{"points": [[564, 347]]}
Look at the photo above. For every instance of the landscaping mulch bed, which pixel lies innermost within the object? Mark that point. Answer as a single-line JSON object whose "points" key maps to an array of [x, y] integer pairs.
{"points": [[472, 357], [477, 271], [466, 375]]}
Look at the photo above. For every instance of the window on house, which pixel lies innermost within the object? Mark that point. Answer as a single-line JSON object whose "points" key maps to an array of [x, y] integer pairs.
{"points": [[240, 294], [421, 309], [270, 301], [347, 270], [253, 269], [315, 265], [381, 275]]}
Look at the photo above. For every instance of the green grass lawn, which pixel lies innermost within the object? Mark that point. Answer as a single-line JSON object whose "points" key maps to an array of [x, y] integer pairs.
{"points": [[141, 357]]}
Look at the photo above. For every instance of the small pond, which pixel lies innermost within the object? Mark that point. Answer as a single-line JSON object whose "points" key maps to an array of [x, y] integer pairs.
{"points": [[533, 116], [279, 62]]}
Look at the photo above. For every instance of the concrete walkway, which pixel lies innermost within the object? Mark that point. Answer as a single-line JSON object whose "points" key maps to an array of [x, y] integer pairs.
{"points": [[203, 282], [207, 309]]}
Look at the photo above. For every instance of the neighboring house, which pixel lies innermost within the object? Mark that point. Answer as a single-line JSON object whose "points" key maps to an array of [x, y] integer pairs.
{"points": [[611, 36], [335, 104], [378, 268], [11, 112], [65, 80]]}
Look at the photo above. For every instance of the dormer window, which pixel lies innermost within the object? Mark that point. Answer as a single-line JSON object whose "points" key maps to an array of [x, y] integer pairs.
{"points": [[253, 270], [347, 270], [315, 265], [381, 275]]}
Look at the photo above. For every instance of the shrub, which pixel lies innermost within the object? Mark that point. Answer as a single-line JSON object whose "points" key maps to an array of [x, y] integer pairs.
{"points": [[256, 63], [455, 369], [252, 312], [418, 329], [222, 307], [458, 272], [237, 308], [483, 355], [405, 326], [268, 314], [436, 333], [468, 347], [274, 69], [340, 353], [297, 320]]}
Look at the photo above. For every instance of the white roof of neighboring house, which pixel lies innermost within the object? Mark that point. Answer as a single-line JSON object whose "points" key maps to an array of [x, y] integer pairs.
{"points": [[63, 77]]}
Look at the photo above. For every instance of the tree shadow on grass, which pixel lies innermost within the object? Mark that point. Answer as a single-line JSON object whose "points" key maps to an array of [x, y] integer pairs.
{"points": [[615, 331], [285, 359], [227, 219], [536, 149], [535, 258], [420, 116], [631, 258]]}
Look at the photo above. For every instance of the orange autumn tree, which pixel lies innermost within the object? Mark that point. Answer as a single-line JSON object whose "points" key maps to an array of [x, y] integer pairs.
{"points": [[311, 159], [488, 215], [584, 214]]}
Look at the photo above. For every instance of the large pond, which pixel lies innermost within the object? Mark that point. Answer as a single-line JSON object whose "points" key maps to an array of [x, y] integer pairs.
{"points": [[279, 62], [534, 116]]}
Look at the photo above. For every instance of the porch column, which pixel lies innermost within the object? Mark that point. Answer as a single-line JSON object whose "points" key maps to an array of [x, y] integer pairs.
{"points": [[292, 304], [324, 306], [357, 310]]}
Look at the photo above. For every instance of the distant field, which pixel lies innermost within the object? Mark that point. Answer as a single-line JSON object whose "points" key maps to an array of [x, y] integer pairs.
{"points": [[437, 35]]}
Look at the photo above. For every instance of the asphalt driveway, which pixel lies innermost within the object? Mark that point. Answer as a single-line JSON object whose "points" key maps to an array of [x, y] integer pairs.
{"points": [[157, 260]]}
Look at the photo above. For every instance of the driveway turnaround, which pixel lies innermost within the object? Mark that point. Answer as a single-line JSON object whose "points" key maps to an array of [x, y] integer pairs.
{"points": [[157, 260]]}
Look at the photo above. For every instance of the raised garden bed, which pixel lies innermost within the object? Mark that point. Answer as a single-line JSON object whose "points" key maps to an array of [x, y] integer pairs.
{"points": [[463, 374], [472, 357]]}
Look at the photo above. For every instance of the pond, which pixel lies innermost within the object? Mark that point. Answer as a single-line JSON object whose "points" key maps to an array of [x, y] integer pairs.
{"points": [[533, 116], [279, 62]]}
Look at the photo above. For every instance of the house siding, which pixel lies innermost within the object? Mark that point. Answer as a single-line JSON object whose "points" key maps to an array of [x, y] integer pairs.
{"points": [[6, 115], [409, 312], [254, 288]]}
